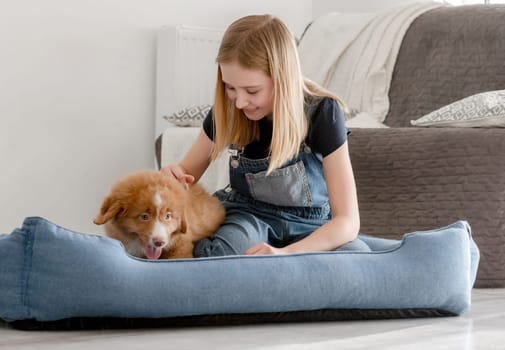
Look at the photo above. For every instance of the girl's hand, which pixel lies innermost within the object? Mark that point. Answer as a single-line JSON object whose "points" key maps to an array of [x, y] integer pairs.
{"points": [[263, 248], [178, 172]]}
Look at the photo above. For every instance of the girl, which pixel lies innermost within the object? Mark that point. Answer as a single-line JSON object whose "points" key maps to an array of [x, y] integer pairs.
{"points": [[291, 182]]}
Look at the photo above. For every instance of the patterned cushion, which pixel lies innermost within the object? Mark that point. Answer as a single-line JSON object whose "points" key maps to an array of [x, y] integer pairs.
{"points": [[486, 109], [191, 116]]}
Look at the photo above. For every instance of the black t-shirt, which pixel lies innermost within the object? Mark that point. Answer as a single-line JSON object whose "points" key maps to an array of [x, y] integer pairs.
{"points": [[327, 130]]}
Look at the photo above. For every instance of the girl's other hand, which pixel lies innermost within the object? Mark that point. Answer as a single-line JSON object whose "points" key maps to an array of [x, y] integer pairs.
{"points": [[263, 248]]}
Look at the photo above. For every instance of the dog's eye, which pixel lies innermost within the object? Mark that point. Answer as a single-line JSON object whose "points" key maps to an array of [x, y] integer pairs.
{"points": [[144, 217], [168, 216]]}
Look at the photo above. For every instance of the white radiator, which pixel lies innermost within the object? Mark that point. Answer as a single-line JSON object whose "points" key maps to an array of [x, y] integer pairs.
{"points": [[185, 69]]}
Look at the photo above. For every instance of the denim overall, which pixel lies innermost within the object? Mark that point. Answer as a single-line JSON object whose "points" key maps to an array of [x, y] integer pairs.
{"points": [[281, 208]]}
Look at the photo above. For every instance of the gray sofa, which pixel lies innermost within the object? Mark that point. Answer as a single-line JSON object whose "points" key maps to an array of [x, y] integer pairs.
{"points": [[412, 178]]}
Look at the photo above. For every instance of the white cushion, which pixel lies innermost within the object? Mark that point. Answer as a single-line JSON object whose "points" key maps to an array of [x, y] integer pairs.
{"points": [[486, 109]]}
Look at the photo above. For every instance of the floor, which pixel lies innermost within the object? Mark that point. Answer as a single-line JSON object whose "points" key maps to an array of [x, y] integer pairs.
{"points": [[482, 327]]}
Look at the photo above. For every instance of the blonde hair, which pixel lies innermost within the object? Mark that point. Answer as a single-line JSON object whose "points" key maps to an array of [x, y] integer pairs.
{"points": [[264, 42]]}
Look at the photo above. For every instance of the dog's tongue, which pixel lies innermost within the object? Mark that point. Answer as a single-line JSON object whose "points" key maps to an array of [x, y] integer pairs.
{"points": [[152, 253]]}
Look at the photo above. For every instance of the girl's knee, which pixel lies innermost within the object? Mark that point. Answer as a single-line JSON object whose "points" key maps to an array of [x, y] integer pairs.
{"points": [[357, 245], [215, 246]]}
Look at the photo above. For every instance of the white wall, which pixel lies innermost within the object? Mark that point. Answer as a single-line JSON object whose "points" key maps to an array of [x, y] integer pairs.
{"points": [[77, 95]]}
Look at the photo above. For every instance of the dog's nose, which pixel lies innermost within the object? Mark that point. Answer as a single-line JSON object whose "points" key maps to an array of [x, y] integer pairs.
{"points": [[158, 242]]}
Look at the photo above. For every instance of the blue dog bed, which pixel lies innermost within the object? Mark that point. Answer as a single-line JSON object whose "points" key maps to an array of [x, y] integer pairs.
{"points": [[51, 277]]}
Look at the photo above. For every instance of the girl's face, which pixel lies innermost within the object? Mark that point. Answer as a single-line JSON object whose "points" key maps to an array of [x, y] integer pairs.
{"points": [[252, 90]]}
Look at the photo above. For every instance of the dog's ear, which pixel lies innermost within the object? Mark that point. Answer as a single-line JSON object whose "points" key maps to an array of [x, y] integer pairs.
{"points": [[111, 207]]}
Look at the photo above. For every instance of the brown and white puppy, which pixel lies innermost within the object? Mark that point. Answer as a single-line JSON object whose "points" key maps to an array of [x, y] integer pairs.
{"points": [[156, 216]]}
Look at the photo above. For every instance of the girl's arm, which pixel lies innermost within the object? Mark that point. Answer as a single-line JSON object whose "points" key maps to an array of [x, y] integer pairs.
{"points": [[344, 225], [195, 162]]}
